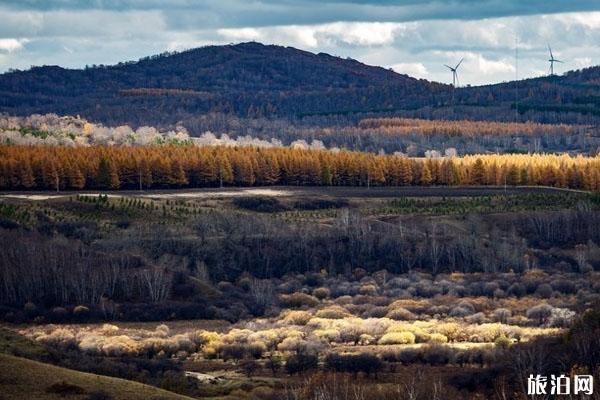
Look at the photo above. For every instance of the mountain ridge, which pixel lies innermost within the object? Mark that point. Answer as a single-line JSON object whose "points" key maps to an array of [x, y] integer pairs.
{"points": [[252, 80]]}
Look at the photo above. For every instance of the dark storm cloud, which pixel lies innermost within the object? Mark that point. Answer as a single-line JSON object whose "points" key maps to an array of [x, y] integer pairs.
{"points": [[235, 13]]}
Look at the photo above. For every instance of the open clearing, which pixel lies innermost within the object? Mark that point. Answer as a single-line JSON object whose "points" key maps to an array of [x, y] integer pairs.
{"points": [[300, 191]]}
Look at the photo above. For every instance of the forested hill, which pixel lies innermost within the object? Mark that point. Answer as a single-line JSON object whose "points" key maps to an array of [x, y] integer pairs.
{"points": [[248, 79], [251, 80]]}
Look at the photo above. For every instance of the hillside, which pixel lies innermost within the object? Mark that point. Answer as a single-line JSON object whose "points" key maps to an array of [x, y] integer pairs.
{"points": [[248, 79], [22, 378], [251, 80]]}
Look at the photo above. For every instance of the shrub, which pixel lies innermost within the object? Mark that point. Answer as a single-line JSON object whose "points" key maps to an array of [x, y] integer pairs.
{"points": [[329, 335], [463, 309], [375, 312], [368, 289], [409, 356], [398, 283], [81, 311], [564, 286], [560, 317], [313, 279], [30, 309], [293, 344], [437, 338], [321, 293], [397, 338], [363, 362], [477, 318], [162, 331], [59, 337], [517, 290], [544, 291], [58, 314], [451, 330], [501, 315], [269, 337], [400, 314], [256, 349], [332, 312], [438, 310], [204, 338], [117, 346], [487, 332], [541, 312], [366, 339], [298, 300], [502, 342], [232, 351], [301, 363], [297, 318], [437, 354]]}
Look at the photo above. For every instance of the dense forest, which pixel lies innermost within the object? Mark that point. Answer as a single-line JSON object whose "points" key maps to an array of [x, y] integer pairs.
{"points": [[253, 81], [172, 166]]}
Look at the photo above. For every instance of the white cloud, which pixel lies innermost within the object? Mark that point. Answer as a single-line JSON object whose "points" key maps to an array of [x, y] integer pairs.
{"points": [[359, 33], [11, 45], [582, 62], [240, 34], [330, 34], [417, 70], [493, 67]]}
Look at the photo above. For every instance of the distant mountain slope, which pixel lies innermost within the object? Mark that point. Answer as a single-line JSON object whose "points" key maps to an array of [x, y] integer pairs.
{"points": [[249, 79], [252, 80]]}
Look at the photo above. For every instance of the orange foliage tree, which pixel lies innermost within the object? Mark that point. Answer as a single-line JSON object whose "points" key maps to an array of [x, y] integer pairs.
{"points": [[123, 167]]}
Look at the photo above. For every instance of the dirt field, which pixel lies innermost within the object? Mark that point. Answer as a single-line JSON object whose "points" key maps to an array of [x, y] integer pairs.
{"points": [[299, 191]]}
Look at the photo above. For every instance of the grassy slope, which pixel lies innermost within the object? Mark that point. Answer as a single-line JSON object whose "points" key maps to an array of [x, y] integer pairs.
{"points": [[25, 379]]}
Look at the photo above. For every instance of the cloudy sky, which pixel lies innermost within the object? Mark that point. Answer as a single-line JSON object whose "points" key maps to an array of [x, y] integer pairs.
{"points": [[410, 36]]}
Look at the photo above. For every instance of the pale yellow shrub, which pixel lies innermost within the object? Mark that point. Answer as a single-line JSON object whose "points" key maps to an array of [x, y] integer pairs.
{"points": [[269, 338], [437, 338], [366, 339], [296, 318], [117, 346], [449, 329], [162, 331], [397, 338], [328, 335], [108, 329]]}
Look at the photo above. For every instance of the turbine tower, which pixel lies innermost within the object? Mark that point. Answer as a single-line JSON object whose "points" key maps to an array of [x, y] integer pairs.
{"points": [[454, 73], [552, 60]]}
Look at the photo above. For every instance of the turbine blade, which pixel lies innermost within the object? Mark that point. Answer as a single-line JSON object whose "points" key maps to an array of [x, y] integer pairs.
{"points": [[559, 61], [550, 50], [460, 62], [447, 66]]}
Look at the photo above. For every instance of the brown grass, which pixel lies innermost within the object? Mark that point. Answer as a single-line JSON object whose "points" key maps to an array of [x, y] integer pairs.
{"points": [[25, 379]]}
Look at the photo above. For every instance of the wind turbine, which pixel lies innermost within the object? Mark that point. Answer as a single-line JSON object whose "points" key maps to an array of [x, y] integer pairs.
{"points": [[454, 73], [552, 60]]}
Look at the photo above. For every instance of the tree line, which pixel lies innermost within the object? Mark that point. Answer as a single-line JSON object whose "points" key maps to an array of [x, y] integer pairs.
{"points": [[405, 126], [172, 166]]}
